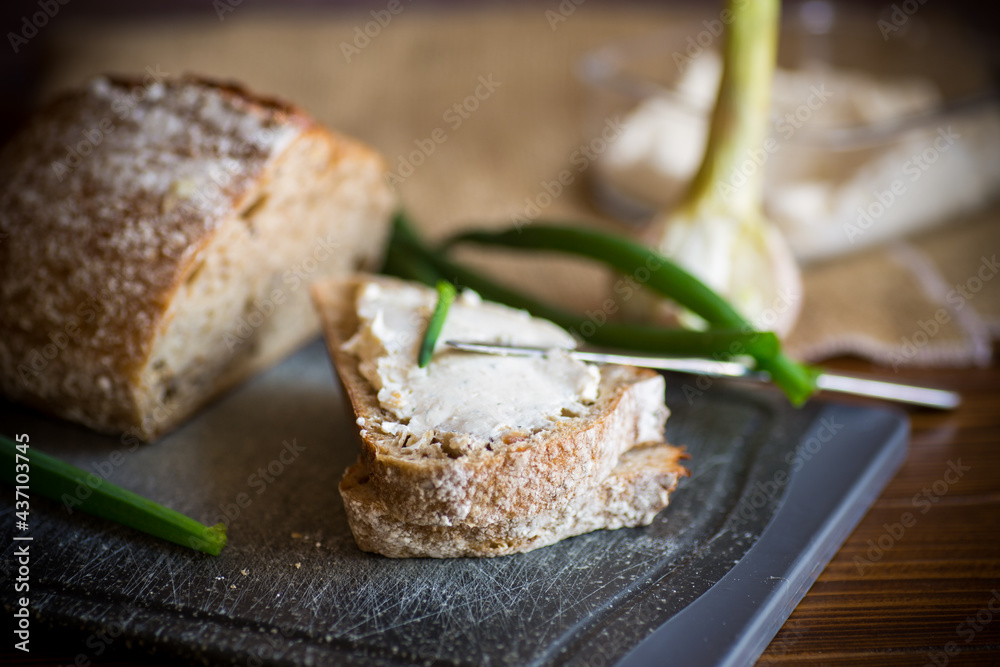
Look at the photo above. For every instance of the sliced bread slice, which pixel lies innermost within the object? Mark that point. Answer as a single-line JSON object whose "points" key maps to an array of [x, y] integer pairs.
{"points": [[519, 473], [637, 488]]}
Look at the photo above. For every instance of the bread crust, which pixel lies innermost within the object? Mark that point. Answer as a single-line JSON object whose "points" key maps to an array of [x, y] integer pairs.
{"points": [[111, 198]]}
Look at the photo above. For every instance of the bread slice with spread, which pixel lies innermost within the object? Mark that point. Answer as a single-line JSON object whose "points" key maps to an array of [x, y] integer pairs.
{"points": [[484, 455]]}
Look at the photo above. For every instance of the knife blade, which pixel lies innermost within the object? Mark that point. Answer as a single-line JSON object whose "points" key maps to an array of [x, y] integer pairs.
{"points": [[930, 397]]}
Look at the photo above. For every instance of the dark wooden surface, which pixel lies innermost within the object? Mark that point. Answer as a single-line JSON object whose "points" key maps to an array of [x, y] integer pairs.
{"points": [[904, 604]]}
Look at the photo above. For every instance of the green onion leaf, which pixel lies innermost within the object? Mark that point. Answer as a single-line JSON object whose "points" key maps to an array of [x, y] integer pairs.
{"points": [[666, 278], [623, 254], [446, 295], [402, 262], [411, 258], [55, 479]]}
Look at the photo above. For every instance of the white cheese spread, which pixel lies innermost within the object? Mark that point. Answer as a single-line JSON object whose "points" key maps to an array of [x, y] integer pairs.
{"points": [[464, 399]]}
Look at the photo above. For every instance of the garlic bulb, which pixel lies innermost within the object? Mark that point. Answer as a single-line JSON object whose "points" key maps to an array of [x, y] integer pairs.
{"points": [[746, 260]]}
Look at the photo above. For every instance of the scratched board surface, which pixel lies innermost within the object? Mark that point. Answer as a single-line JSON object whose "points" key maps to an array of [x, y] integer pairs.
{"points": [[292, 587]]}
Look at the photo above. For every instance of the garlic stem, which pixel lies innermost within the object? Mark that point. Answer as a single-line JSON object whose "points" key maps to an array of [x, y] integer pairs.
{"points": [[740, 119], [719, 232]]}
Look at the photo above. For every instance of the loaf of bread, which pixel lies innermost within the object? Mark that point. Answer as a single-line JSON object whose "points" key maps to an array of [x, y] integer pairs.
{"points": [[596, 462], [157, 239]]}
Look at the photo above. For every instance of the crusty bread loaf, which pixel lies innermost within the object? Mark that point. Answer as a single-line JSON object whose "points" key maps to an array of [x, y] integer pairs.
{"points": [[523, 491], [157, 240]]}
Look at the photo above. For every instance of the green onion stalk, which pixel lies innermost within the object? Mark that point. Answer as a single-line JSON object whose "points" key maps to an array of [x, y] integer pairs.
{"points": [[47, 476], [445, 297], [668, 280], [411, 258], [718, 232]]}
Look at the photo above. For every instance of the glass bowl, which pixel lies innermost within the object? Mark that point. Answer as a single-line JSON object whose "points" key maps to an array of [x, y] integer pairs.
{"points": [[882, 124]]}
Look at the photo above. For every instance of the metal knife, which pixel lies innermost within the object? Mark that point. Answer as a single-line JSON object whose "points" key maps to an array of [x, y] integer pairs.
{"points": [[930, 397]]}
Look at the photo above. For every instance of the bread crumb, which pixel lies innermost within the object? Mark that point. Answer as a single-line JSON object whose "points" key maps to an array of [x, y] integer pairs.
{"points": [[232, 586], [244, 572], [298, 565], [318, 543]]}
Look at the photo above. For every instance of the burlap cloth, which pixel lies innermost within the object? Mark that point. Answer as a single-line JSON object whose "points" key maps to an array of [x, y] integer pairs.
{"points": [[528, 122]]}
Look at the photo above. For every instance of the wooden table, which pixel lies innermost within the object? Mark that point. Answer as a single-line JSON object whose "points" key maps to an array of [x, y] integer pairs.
{"points": [[900, 594]]}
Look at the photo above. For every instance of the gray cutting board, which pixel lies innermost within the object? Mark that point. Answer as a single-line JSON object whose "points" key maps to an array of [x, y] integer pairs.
{"points": [[773, 493]]}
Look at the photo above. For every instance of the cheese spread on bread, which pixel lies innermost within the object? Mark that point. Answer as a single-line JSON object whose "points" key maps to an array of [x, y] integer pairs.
{"points": [[466, 400]]}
